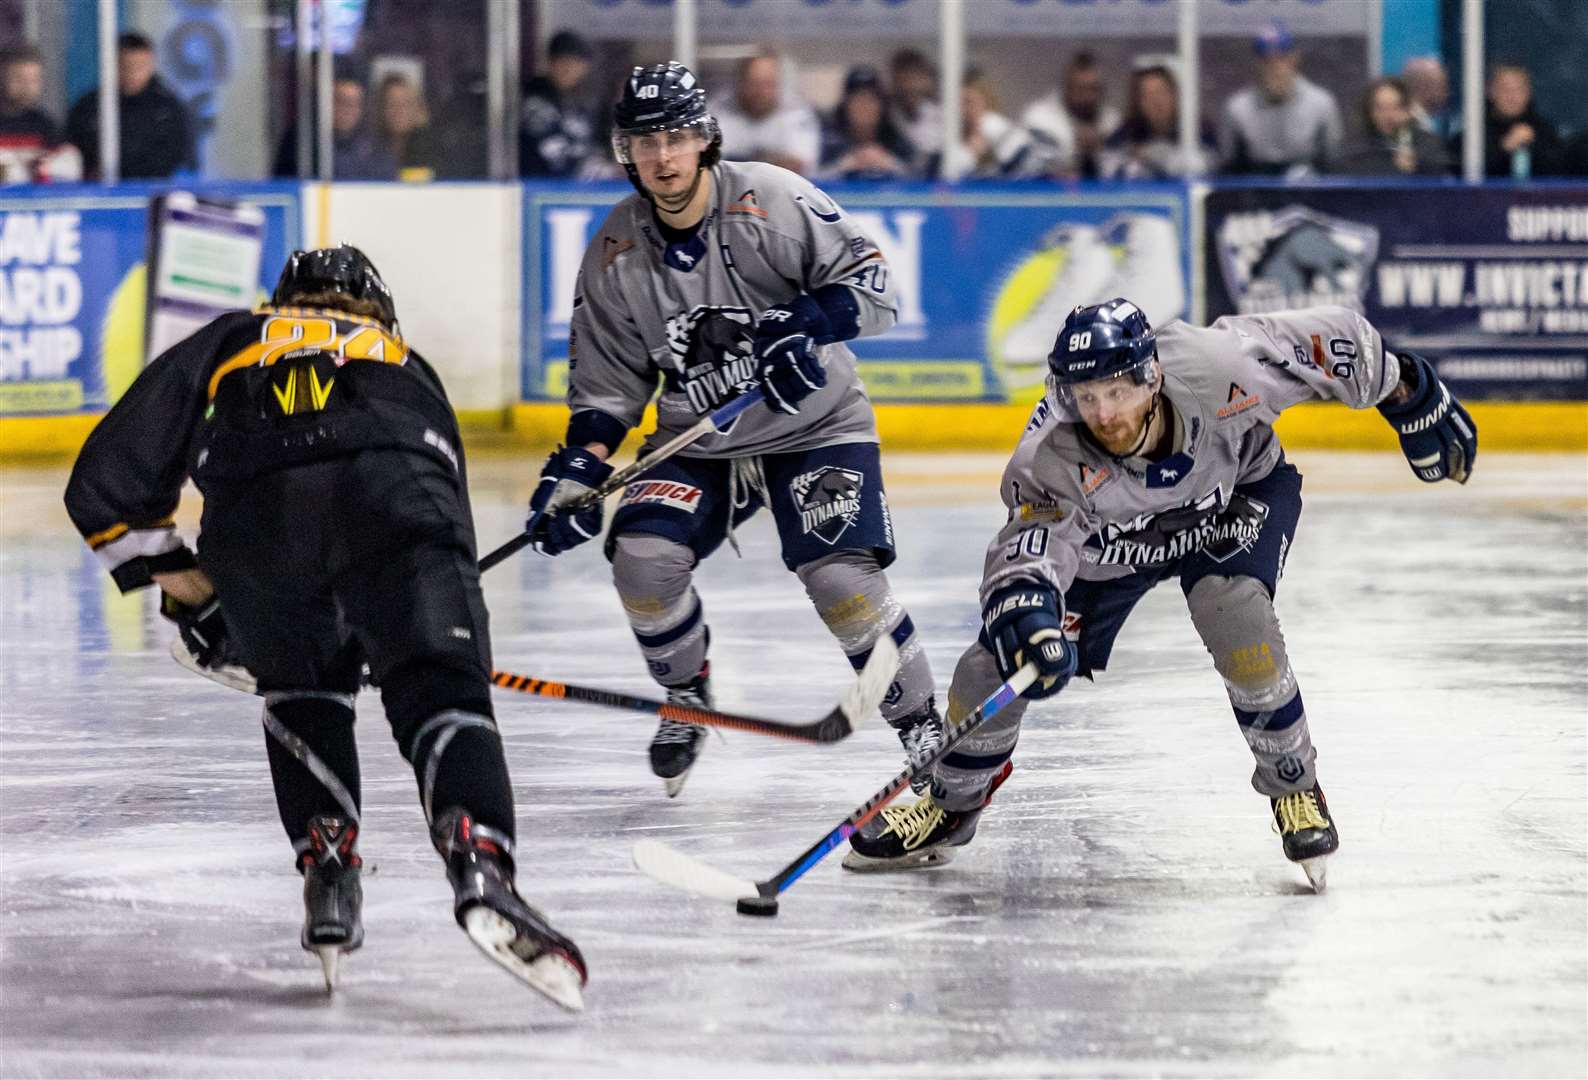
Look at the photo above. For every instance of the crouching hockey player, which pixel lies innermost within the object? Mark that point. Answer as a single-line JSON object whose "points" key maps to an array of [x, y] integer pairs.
{"points": [[1153, 457], [717, 277], [336, 530]]}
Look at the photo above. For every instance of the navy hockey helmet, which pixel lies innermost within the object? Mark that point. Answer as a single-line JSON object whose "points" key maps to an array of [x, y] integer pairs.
{"points": [[663, 97], [343, 269], [1103, 341]]}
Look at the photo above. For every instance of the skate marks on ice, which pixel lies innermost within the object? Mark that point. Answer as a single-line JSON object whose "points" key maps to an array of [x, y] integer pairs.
{"points": [[1124, 909]]}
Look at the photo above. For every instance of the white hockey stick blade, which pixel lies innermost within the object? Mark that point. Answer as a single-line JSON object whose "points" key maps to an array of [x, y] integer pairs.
{"points": [[672, 867], [868, 690], [548, 973], [231, 676]]}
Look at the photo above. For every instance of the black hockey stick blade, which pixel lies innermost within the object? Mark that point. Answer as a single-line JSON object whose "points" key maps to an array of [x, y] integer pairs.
{"points": [[863, 696], [672, 867]]}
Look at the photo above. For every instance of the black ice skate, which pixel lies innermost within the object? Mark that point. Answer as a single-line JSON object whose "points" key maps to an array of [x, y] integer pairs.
{"points": [[487, 905], [922, 834], [332, 897], [676, 747], [1307, 831], [920, 733]]}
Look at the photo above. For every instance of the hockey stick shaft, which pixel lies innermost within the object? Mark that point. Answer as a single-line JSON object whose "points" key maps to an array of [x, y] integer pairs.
{"points": [[712, 422]]}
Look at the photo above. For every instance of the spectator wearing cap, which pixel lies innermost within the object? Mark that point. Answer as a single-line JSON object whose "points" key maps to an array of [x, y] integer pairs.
{"points": [[994, 146], [1074, 119], [758, 126], [1428, 86], [861, 141], [1146, 146], [1392, 143], [31, 147], [558, 130], [356, 151], [1282, 125], [1518, 142], [156, 130], [913, 105]]}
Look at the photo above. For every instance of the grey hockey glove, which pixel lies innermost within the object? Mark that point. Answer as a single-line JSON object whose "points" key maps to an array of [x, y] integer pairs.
{"points": [[1437, 435], [786, 363], [570, 473], [205, 645], [1023, 624]]}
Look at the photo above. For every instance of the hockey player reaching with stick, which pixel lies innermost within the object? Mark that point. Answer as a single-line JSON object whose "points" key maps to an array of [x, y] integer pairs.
{"points": [[718, 278], [335, 530], [1153, 457]]}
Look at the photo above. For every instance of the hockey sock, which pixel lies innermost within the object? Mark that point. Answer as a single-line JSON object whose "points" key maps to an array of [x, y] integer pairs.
{"points": [[313, 757], [457, 759], [652, 575], [853, 597]]}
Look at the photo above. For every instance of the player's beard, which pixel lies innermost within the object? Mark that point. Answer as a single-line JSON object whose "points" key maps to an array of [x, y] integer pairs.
{"points": [[672, 204]]}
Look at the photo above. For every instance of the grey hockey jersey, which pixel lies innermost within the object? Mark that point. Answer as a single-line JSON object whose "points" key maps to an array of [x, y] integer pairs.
{"points": [[684, 313], [1077, 512]]}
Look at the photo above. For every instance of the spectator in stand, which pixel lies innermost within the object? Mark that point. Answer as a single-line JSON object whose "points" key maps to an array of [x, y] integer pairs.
{"points": [[757, 126], [1429, 89], [405, 128], [861, 142], [1074, 120], [559, 126], [1392, 143], [914, 108], [156, 130], [1517, 142], [1146, 146], [31, 147], [1283, 125], [994, 146], [356, 152]]}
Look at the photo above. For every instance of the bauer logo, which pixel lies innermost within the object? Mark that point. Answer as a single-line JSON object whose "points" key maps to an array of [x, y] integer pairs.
{"points": [[1294, 257], [828, 501], [662, 493]]}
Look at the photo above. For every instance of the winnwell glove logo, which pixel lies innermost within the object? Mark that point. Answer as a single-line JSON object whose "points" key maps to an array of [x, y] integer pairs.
{"points": [[829, 501], [1295, 257]]}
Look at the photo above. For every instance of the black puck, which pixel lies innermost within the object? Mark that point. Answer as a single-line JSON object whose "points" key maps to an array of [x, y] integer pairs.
{"points": [[757, 905]]}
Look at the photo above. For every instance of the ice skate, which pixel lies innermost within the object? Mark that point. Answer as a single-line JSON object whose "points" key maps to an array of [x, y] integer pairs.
{"points": [[920, 733], [332, 896], [501, 925], [1308, 832], [676, 747], [922, 834]]}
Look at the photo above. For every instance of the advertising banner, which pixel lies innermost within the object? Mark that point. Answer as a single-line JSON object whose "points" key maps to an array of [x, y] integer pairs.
{"points": [[73, 285], [1490, 282], [983, 277]]}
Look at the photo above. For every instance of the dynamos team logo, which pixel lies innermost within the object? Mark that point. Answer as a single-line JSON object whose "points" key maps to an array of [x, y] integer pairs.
{"points": [[829, 501], [1295, 257], [1217, 528], [712, 355]]}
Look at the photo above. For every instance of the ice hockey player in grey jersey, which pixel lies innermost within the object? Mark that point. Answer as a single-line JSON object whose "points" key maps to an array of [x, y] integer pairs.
{"points": [[1154, 457], [715, 278]]}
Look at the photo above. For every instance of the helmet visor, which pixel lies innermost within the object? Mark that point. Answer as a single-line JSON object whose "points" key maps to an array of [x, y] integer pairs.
{"points": [[1099, 401], [636, 147]]}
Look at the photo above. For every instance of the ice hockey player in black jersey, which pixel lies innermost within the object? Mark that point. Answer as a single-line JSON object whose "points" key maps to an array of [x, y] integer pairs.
{"points": [[335, 532], [1153, 457]]}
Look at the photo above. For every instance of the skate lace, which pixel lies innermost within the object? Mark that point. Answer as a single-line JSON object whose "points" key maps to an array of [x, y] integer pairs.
{"points": [[671, 731], [925, 740], [913, 824], [1299, 810]]}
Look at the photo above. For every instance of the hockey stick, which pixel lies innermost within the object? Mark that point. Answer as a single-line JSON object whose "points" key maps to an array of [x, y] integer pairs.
{"points": [[707, 424], [672, 867], [864, 695]]}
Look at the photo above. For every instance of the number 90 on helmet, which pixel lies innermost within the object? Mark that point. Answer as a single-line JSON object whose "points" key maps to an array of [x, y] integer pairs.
{"points": [[663, 104], [1101, 341]]}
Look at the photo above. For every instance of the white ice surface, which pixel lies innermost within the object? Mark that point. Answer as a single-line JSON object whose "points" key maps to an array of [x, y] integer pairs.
{"points": [[1124, 909]]}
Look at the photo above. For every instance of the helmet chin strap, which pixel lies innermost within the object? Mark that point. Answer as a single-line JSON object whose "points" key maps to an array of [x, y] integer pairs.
{"points": [[1146, 427], [662, 203]]}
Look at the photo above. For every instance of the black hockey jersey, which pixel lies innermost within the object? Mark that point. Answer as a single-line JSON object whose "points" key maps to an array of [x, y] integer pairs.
{"points": [[251, 393]]}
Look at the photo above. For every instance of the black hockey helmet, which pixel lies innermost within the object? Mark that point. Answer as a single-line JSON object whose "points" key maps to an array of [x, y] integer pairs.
{"points": [[1102, 341], [343, 269], [663, 97]]}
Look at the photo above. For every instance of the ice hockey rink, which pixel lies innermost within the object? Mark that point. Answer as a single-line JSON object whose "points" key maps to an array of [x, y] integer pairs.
{"points": [[1124, 910]]}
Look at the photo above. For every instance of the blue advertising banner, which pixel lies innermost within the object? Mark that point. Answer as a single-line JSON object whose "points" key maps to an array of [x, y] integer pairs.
{"points": [[984, 276], [72, 289], [1490, 282]]}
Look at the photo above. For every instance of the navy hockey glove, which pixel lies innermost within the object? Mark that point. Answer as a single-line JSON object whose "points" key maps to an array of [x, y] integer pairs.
{"points": [[205, 644], [570, 473], [1023, 624], [1437, 436], [786, 364]]}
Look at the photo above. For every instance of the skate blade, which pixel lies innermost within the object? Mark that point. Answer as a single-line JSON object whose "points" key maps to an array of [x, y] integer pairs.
{"points": [[912, 860], [330, 965], [548, 973], [1317, 870]]}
